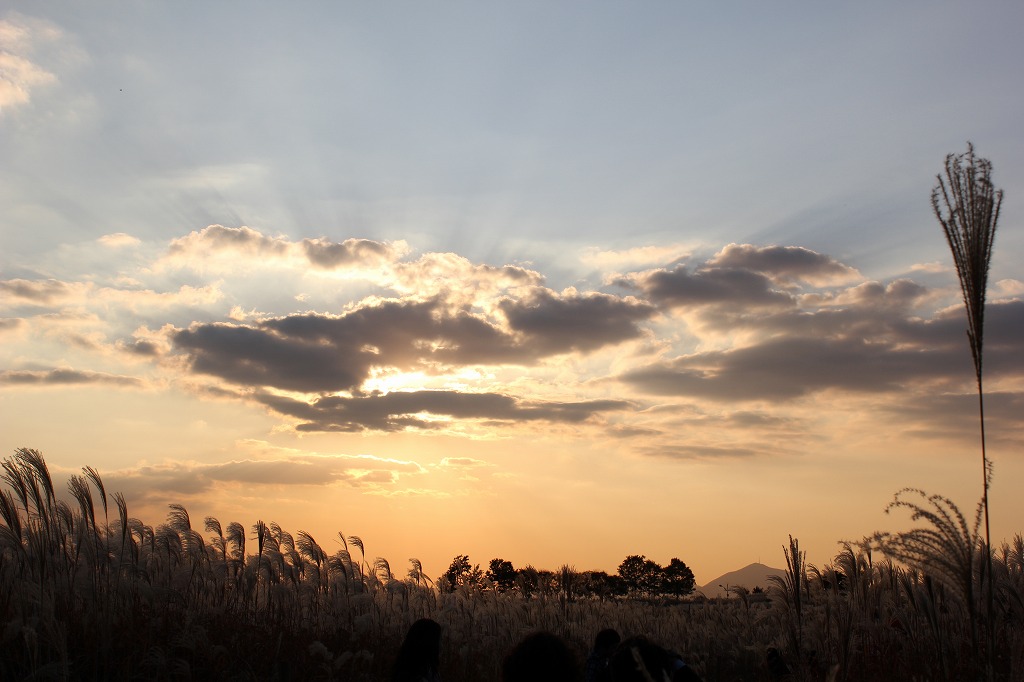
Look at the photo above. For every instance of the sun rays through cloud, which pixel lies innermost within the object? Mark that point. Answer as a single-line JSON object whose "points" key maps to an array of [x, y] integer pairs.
{"points": [[512, 272]]}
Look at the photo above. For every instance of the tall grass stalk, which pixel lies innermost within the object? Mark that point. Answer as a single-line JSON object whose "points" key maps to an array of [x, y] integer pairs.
{"points": [[967, 205], [790, 589]]}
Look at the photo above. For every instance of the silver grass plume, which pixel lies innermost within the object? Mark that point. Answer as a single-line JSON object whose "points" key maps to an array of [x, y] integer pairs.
{"points": [[967, 205]]}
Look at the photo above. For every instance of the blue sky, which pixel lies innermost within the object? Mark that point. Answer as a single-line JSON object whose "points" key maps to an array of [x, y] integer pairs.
{"points": [[629, 219]]}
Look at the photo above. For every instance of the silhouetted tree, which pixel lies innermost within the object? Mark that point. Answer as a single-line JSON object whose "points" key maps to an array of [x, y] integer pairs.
{"points": [[531, 580], [616, 585], [502, 574], [641, 575], [630, 570], [601, 584], [677, 579], [460, 573], [651, 579]]}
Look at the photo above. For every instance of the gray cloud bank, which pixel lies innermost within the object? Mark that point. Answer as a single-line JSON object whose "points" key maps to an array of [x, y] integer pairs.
{"points": [[322, 353], [774, 324], [400, 409], [872, 350]]}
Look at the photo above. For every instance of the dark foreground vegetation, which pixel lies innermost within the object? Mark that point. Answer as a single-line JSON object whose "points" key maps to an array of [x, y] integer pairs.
{"points": [[89, 593]]}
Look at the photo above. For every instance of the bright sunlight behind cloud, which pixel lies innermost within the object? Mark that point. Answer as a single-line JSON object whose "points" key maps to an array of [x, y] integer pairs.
{"points": [[530, 280]]}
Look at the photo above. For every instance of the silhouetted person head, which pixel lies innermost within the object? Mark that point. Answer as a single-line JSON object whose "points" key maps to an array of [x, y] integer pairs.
{"points": [[420, 656], [541, 657], [777, 667], [637, 659], [607, 640], [596, 668]]}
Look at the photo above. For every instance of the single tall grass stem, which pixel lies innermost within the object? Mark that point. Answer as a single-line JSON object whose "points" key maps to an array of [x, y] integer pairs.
{"points": [[967, 205]]}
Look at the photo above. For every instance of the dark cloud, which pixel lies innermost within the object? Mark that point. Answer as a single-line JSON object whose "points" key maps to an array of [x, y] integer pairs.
{"points": [[869, 310], [64, 377], [328, 255], [869, 345], [323, 353], [253, 356], [882, 314], [404, 335], [905, 292], [731, 286], [144, 348], [783, 262], [406, 409], [740, 279], [784, 369], [10, 323], [954, 416], [582, 323], [1004, 333], [947, 331], [35, 291]]}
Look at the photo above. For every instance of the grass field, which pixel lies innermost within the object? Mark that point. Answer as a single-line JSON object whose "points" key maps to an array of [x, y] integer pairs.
{"points": [[87, 593]]}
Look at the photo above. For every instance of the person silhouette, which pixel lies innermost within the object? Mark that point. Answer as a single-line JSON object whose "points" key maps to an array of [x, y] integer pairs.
{"points": [[637, 659], [596, 668], [419, 657], [541, 657]]}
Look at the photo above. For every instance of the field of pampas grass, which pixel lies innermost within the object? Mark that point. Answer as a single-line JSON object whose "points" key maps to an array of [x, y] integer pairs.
{"points": [[88, 592]]}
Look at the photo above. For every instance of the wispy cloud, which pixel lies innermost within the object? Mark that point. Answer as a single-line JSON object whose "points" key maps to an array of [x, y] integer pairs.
{"points": [[636, 257], [53, 292], [427, 410], [463, 463], [118, 240], [34, 291], [268, 466], [692, 452], [63, 377], [11, 323], [19, 75]]}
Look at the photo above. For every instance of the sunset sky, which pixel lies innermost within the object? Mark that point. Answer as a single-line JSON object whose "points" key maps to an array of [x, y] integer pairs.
{"points": [[550, 282]]}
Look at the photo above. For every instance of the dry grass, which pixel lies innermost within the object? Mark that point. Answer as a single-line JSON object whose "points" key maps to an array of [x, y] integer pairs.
{"points": [[89, 597]]}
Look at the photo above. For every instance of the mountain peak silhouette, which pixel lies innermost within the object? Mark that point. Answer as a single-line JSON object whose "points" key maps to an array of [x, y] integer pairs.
{"points": [[754, 575]]}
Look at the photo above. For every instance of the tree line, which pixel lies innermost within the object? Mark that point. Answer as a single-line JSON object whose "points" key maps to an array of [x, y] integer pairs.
{"points": [[636, 577]]}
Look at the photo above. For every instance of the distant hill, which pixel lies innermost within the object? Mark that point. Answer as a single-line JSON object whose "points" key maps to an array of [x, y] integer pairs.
{"points": [[754, 575]]}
